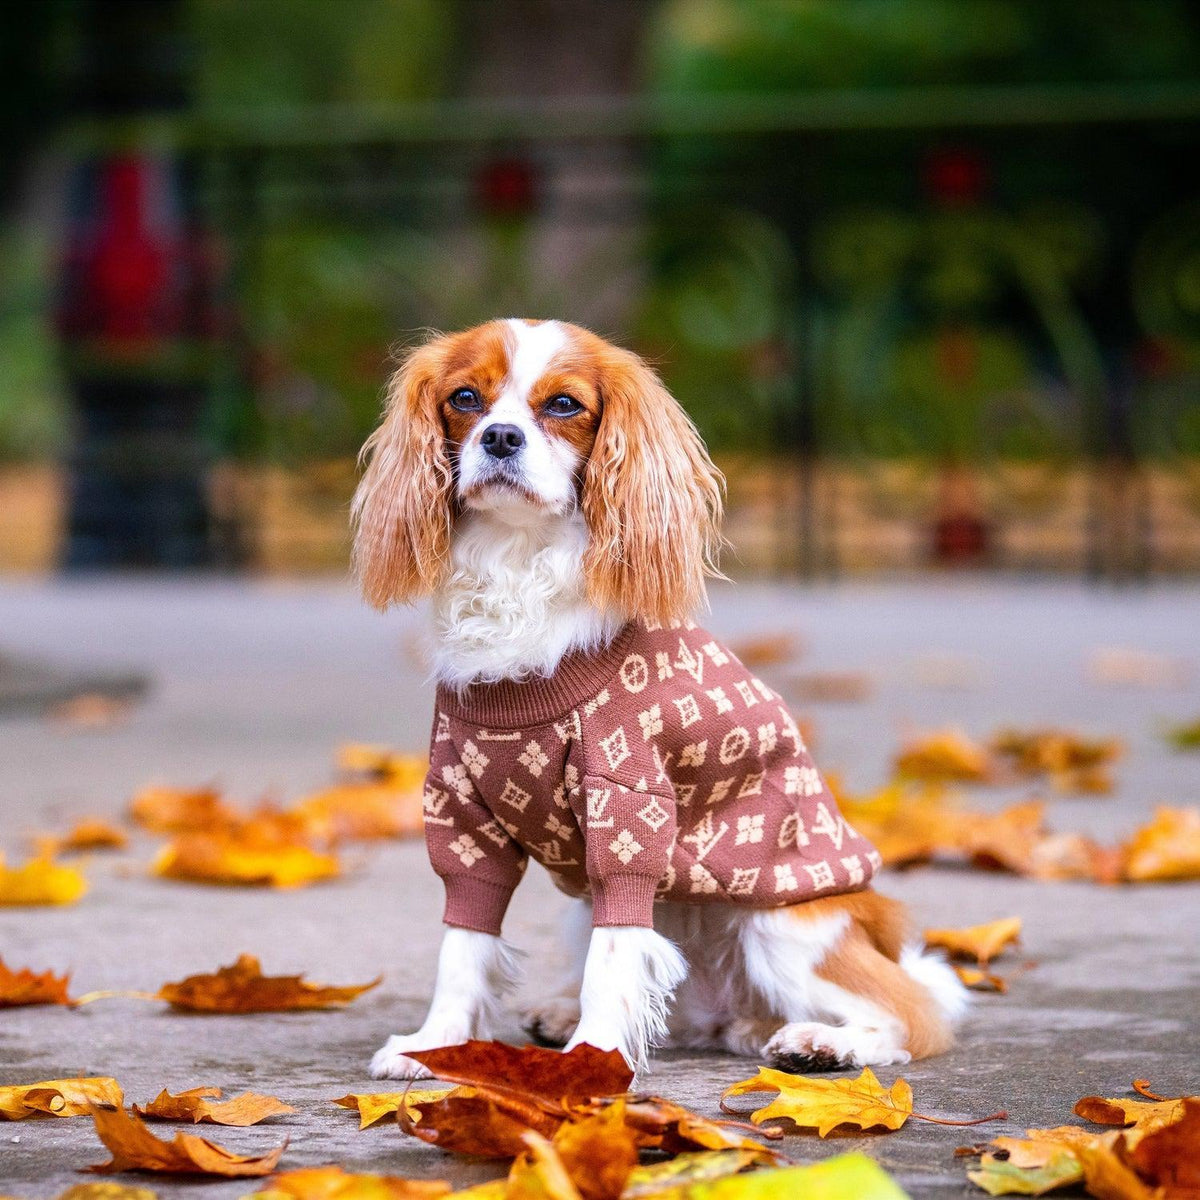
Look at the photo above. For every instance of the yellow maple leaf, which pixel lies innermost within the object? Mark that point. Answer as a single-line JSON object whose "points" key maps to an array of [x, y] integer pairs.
{"points": [[980, 942], [1166, 849], [333, 1183], [824, 1104], [947, 754], [374, 1106], [40, 881]]}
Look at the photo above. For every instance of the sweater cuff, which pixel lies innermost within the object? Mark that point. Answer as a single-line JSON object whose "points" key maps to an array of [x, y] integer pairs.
{"points": [[475, 903], [624, 900]]}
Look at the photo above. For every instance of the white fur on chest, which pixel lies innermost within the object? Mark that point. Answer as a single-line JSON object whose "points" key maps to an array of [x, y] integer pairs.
{"points": [[514, 602]]}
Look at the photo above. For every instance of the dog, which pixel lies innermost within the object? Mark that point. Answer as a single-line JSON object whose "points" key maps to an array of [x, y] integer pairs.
{"points": [[558, 505]]}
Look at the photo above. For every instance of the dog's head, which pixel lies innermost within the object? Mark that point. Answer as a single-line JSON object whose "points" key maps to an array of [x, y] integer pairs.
{"points": [[530, 421]]}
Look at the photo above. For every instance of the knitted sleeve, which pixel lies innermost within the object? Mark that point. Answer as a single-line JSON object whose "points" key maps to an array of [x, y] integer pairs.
{"points": [[478, 860], [629, 835]]}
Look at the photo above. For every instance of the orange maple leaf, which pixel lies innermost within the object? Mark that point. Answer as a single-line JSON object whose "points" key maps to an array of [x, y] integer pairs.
{"points": [[243, 988], [23, 986]]}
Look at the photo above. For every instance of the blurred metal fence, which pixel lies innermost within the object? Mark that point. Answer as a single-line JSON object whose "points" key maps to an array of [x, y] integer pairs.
{"points": [[944, 326]]}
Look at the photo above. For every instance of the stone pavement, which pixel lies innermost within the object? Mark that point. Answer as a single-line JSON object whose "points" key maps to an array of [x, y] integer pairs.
{"points": [[254, 684]]}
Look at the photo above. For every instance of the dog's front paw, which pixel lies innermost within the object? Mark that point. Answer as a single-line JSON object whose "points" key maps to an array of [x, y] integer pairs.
{"points": [[805, 1046], [551, 1022], [391, 1062]]}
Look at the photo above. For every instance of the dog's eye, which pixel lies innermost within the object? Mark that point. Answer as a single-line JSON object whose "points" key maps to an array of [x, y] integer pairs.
{"points": [[562, 406], [465, 400]]}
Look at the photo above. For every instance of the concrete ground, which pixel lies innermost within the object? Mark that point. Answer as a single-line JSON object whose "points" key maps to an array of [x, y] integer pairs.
{"points": [[254, 685]]}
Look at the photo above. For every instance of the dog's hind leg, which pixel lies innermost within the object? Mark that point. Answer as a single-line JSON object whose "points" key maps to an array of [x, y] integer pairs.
{"points": [[550, 1017]]}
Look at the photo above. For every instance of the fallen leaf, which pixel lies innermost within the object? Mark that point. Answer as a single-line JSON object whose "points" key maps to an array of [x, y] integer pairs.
{"points": [[40, 881], [243, 988], [179, 810], [1185, 736], [58, 1097], [846, 1177], [92, 710], [1003, 1177], [1123, 666], [134, 1148], [203, 1104], [91, 834], [1107, 1175], [663, 1125], [945, 756], [1039, 1146], [980, 942], [106, 1189], [1052, 751], [580, 1074], [225, 857], [980, 980], [362, 811], [480, 1122], [332, 1183], [1007, 840], [404, 771], [825, 1104], [829, 687], [598, 1151], [374, 1106], [1169, 1156], [23, 986], [539, 1173], [1137, 1114], [1166, 849], [767, 650], [906, 823], [684, 1170]]}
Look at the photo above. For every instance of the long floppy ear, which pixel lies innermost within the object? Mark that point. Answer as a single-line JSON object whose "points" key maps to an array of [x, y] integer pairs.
{"points": [[651, 499], [402, 510]]}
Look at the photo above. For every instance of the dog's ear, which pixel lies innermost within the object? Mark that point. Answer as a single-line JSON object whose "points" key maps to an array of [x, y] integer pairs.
{"points": [[402, 510], [651, 498]]}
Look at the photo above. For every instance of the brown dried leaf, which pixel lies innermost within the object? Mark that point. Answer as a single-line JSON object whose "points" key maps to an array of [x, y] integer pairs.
{"points": [[23, 986], [945, 756], [829, 687], [536, 1072], [202, 1104], [980, 980], [89, 834], [663, 1125], [92, 710], [179, 810], [58, 1097], [767, 650], [1143, 1115], [480, 1122], [1108, 1176], [1169, 1156], [980, 942], [332, 1183], [243, 988], [134, 1148]]}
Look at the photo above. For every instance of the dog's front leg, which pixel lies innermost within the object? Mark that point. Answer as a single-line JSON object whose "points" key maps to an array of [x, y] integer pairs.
{"points": [[629, 981], [475, 970]]}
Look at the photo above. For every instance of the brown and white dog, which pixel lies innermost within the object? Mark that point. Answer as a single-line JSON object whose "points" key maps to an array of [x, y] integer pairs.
{"points": [[544, 488]]}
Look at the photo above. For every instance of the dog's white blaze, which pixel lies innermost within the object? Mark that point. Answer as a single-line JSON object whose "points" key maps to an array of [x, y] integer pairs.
{"points": [[536, 346]]}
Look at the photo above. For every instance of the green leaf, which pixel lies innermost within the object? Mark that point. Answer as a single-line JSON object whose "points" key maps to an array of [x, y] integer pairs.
{"points": [[999, 1177], [847, 1177]]}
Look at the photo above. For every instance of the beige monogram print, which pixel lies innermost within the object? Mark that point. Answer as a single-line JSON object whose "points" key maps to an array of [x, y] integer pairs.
{"points": [[680, 768]]}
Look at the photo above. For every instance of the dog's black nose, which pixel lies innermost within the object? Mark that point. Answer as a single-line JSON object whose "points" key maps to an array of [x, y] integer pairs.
{"points": [[502, 440]]}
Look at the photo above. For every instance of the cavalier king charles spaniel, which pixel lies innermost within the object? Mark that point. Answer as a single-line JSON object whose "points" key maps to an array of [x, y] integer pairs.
{"points": [[560, 508]]}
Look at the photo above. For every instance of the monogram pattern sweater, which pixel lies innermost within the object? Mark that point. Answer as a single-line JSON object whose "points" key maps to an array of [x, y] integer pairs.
{"points": [[657, 767]]}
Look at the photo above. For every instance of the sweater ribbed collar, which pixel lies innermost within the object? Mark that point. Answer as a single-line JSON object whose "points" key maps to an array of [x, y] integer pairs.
{"points": [[510, 704]]}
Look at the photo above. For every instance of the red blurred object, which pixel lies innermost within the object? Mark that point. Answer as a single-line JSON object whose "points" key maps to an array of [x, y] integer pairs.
{"points": [[955, 177], [507, 187], [134, 275]]}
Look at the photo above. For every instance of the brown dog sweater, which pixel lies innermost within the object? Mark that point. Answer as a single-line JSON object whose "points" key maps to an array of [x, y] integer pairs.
{"points": [[657, 767]]}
